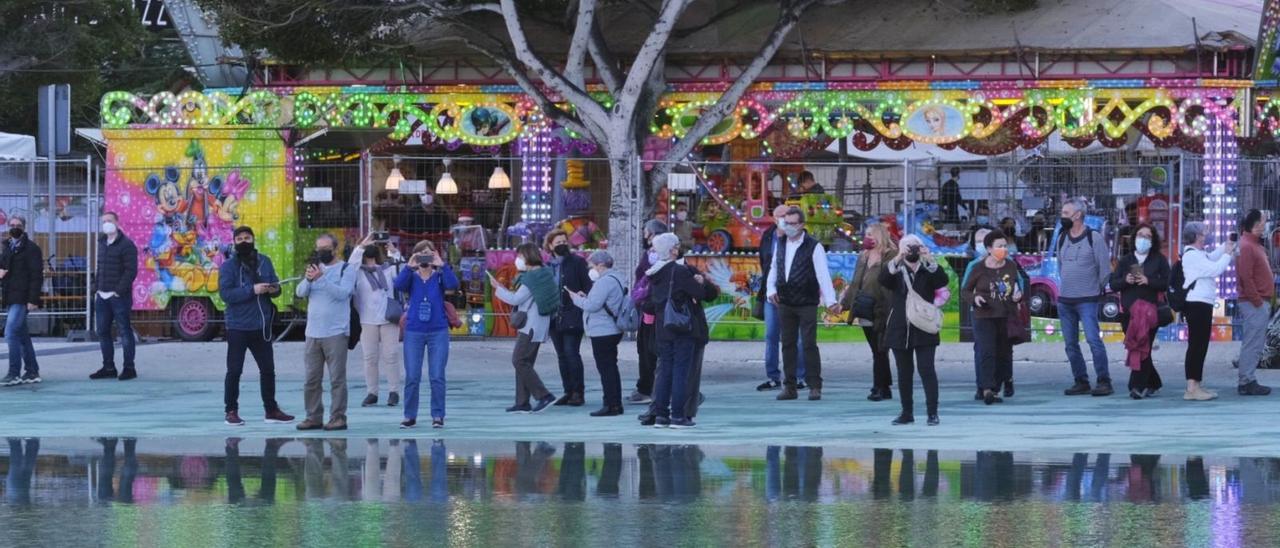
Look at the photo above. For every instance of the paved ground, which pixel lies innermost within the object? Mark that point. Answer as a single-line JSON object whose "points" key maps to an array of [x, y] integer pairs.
{"points": [[180, 394]]}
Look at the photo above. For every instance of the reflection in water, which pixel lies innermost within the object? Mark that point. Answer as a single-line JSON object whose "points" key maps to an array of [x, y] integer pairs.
{"points": [[572, 493]]}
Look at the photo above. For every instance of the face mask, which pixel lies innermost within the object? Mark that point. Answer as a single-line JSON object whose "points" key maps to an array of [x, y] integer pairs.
{"points": [[980, 250], [982, 220], [244, 249], [428, 199], [594, 275], [108, 228], [1143, 245], [1066, 223], [653, 257], [15, 232], [325, 256], [644, 243], [868, 243], [562, 250], [520, 264], [682, 215], [1000, 253], [790, 230]]}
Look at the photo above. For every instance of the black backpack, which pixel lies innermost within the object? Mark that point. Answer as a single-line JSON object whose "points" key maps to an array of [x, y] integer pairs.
{"points": [[1176, 295]]}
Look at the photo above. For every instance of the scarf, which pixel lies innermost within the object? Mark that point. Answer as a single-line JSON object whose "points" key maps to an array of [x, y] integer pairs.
{"points": [[656, 267], [376, 279]]}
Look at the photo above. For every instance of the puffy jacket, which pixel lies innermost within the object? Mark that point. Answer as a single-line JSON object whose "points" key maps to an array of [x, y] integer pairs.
{"points": [[245, 310], [117, 265], [25, 264], [899, 333]]}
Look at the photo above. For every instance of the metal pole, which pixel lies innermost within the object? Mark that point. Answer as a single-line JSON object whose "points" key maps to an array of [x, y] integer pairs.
{"points": [[51, 210], [365, 191], [90, 189], [906, 195]]}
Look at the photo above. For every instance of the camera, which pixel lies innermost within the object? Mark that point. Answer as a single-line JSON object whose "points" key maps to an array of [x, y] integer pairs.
{"points": [[914, 248], [1234, 237], [381, 236]]}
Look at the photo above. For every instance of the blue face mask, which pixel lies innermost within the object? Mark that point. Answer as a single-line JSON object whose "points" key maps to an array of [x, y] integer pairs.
{"points": [[1143, 245], [982, 220]]}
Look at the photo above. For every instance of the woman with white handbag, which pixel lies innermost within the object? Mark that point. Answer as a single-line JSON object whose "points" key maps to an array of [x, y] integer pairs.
{"points": [[913, 278]]}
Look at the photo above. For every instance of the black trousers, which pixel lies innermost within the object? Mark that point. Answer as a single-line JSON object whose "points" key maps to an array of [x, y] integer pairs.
{"points": [[881, 371], [605, 352], [1199, 327], [695, 381], [253, 341], [647, 350], [1146, 377], [995, 353], [800, 334], [908, 359]]}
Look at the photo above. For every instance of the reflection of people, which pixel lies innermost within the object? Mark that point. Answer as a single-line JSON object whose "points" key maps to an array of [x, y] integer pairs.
{"points": [[949, 196], [936, 120], [22, 462]]}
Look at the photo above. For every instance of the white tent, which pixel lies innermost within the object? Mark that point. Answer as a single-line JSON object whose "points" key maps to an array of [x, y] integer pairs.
{"points": [[17, 147]]}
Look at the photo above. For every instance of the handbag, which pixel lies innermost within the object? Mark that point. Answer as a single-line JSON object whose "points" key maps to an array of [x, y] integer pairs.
{"points": [[675, 319], [518, 319], [920, 312], [757, 309], [451, 315], [395, 309], [1164, 314], [864, 306], [1018, 325]]}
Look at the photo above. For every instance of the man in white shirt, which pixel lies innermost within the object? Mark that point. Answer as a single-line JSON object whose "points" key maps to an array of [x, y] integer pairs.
{"points": [[798, 282]]}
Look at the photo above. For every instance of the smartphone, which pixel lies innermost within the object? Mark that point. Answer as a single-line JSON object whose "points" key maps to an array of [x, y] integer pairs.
{"points": [[1234, 237], [1135, 270], [424, 258], [381, 236]]}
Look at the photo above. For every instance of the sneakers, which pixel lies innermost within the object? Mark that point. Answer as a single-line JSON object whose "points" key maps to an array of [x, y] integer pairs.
{"points": [[903, 419], [607, 412], [437, 423], [1253, 389], [1008, 389], [393, 399], [310, 424], [815, 394], [768, 385], [648, 420], [336, 423], [788, 393], [1103, 388], [30, 378], [128, 374], [637, 397], [10, 380], [565, 399], [1136, 394], [522, 409], [233, 419], [104, 373], [543, 404], [875, 395], [371, 399], [276, 416], [800, 385], [680, 424], [1199, 394], [989, 397], [1080, 388], [661, 422], [408, 423], [933, 420]]}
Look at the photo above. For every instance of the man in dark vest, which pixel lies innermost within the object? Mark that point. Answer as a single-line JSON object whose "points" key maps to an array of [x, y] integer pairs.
{"points": [[798, 282], [113, 296], [772, 334]]}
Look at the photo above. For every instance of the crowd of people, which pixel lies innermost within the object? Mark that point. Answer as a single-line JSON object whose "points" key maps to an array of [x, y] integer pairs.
{"points": [[398, 310]]}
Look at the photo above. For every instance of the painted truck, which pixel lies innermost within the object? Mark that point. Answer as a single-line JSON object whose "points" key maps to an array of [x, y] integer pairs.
{"points": [[180, 194]]}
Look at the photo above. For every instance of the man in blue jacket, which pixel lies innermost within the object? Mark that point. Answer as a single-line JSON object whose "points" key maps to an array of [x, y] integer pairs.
{"points": [[113, 290], [247, 282]]}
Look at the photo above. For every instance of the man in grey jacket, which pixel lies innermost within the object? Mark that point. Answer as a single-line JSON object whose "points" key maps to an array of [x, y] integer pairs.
{"points": [[327, 286], [1084, 265]]}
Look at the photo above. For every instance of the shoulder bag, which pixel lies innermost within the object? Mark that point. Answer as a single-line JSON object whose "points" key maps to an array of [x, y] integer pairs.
{"points": [[920, 312], [675, 319]]}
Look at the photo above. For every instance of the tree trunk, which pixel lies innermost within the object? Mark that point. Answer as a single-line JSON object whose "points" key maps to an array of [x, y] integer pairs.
{"points": [[626, 207]]}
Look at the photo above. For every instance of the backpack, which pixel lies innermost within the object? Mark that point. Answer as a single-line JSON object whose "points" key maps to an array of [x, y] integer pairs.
{"points": [[1062, 239], [1176, 295], [627, 319]]}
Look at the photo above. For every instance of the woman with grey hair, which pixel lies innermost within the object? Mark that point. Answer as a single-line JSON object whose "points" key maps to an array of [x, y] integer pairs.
{"points": [[602, 306], [1199, 270]]}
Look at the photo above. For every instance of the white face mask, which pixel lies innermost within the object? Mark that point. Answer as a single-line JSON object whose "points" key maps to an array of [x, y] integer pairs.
{"points": [[682, 215], [427, 199], [653, 257], [594, 275], [108, 228], [520, 264]]}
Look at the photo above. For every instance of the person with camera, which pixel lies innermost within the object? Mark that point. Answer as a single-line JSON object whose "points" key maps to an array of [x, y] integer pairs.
{"points": [[536, 299], [913, 279], [1257, 288], [113, 297], [327, 284], [994, 288], [868, 304], [247, 282], [22, 273], [426, 329], [379, 309], [798, 282], [1142, 277], [1200, 270], [567, 330]]}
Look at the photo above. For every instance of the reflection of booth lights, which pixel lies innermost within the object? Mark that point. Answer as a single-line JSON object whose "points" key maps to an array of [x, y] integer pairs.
{"points": [[395, 177], [446, 185], [499, 179], [1220, 155]]}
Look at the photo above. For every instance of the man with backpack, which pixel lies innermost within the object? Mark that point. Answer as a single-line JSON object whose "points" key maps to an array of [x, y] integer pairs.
{"points": [[1084, 267]]}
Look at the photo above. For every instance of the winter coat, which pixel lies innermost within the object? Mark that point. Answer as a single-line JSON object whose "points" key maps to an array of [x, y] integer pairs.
{"points": [[606, 297], [677, 280], [25, 264], [899, 334], [1156, 269], [867, 279], [573, 276], [245, 310], [117, 266]]}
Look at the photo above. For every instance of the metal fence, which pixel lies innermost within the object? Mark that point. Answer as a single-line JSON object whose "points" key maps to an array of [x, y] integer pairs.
{"points": [[59, 200]]}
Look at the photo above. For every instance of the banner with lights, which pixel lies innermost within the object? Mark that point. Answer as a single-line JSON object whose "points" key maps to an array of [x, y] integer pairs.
{"points": [[979, 117]]}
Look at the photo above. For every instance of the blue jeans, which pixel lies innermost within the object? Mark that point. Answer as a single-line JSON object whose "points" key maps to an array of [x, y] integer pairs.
{"points": [[568, 346], [114, 310], [671, 388], [1070, 316], [19, 338], [435, 345], [773, 345]]}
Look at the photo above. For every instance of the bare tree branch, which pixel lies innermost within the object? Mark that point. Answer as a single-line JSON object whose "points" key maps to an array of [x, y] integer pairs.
{"points": [[787, 19], [647, 57], [734, 9], [588, 108], [575, 65], [606, 65]]}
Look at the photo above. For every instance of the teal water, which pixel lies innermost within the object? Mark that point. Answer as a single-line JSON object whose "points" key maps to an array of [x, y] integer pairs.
{"points": [[423, 492]]}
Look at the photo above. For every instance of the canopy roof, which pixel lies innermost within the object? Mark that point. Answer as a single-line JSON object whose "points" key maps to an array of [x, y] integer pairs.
{"points": [[17, 147]]}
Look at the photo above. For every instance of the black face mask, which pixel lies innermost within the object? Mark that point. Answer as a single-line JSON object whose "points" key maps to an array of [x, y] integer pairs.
{"points": [[644, 244], [913, 257], [325, 255], [562, 250], [15, 232], [1066, 223], [244, 249]]}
